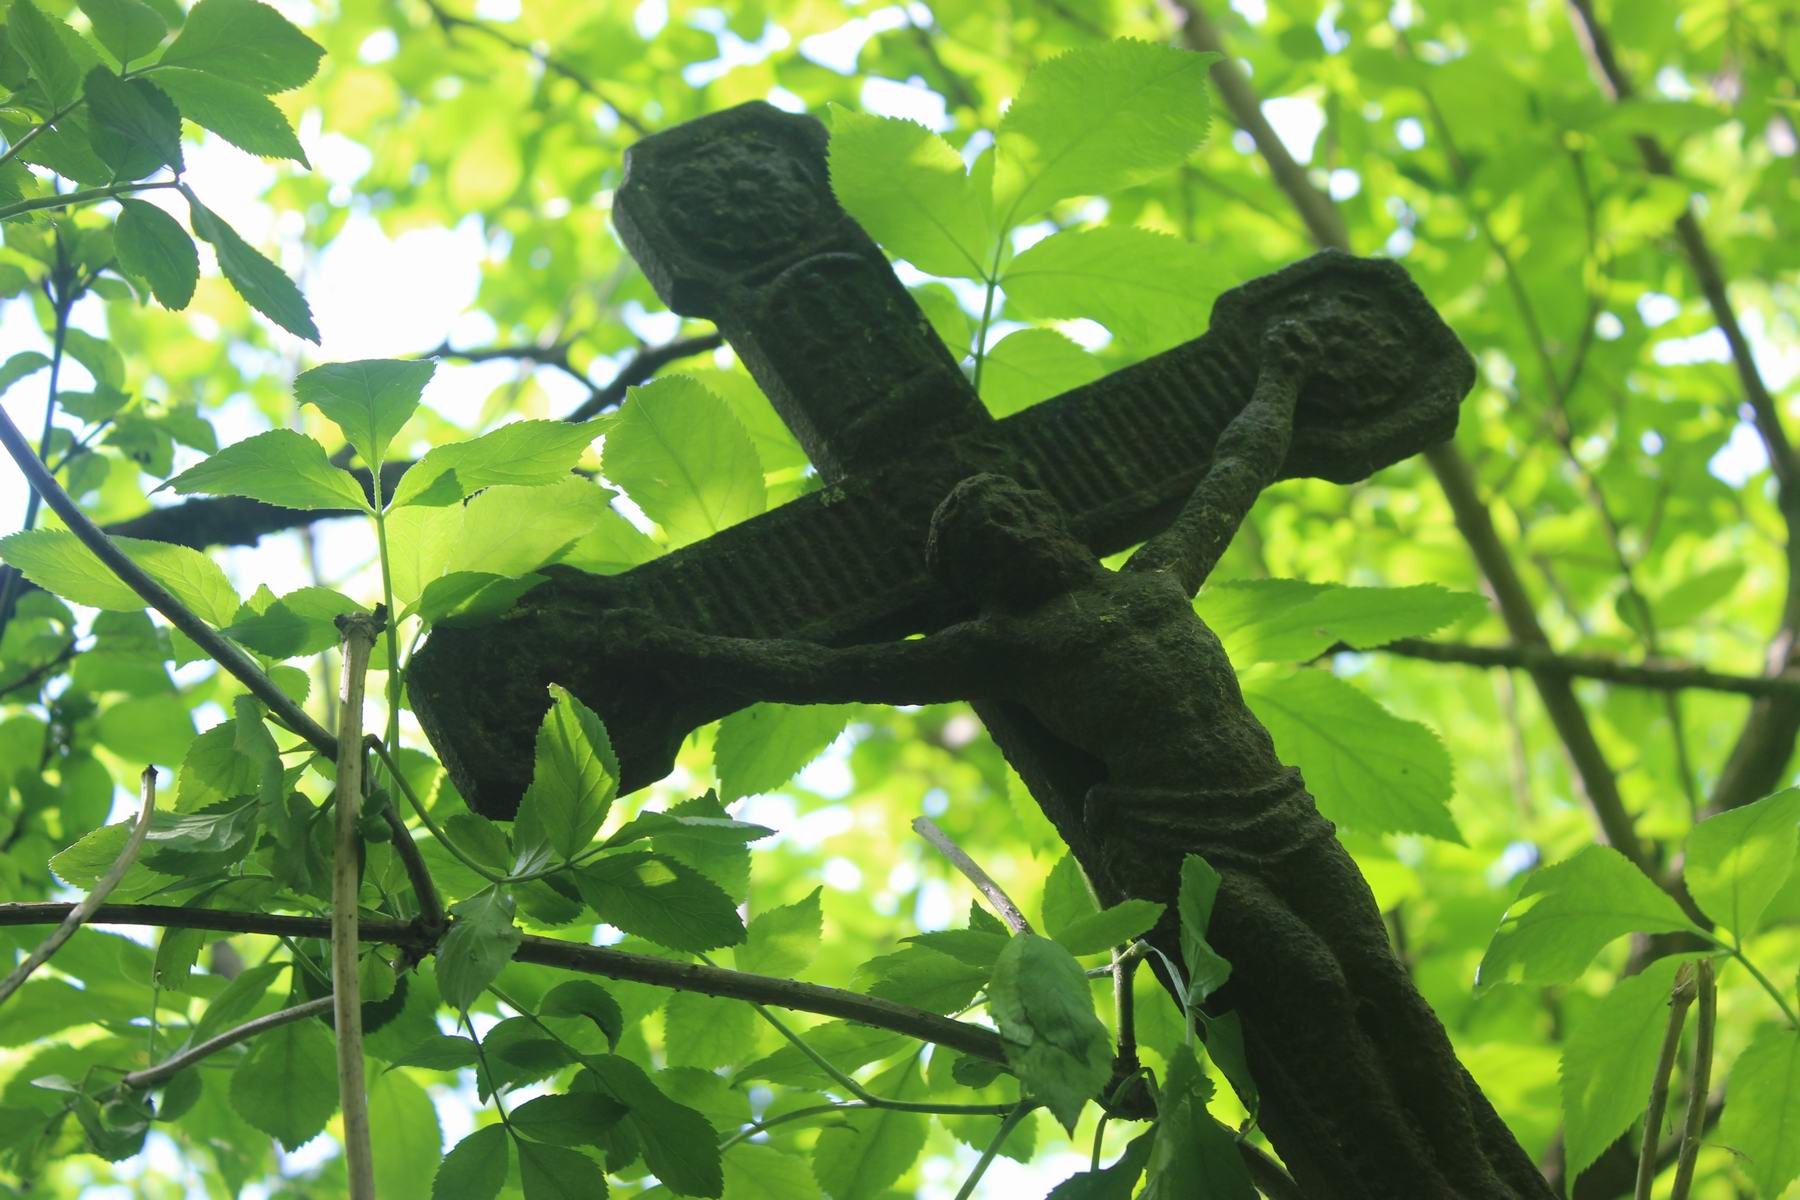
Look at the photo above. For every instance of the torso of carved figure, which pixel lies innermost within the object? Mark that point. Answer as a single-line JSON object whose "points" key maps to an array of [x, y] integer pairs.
{"points": [[1122, 667]]}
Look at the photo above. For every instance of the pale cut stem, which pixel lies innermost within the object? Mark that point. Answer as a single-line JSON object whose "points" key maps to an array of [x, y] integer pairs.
{"points": [[93, 900], [359, 632], [1009, 912], [1679, 999], [1698, 1081]]}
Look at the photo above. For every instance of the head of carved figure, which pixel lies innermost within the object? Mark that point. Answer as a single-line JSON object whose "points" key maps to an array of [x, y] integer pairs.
{"points": [[994, 539]]}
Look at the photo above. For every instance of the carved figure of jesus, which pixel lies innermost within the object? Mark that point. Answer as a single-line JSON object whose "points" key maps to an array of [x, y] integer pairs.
{"points": [[1120, 666]]}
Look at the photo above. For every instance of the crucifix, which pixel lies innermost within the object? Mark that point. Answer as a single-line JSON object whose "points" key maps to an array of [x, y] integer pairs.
{"points": [[1104, 690]]}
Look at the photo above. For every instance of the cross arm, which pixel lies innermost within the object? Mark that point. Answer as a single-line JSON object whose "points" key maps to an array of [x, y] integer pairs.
{"points": [[1249, 458]]}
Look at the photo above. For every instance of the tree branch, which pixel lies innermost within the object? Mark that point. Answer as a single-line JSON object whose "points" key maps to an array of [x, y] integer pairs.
{"points": [[358, 631], [984, 883], [569, 956], [1655, 675], [1454, 475]]}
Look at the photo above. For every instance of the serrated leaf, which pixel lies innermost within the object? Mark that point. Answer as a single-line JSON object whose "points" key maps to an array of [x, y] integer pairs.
{"points": [[708, 1031], [33, 36], [439, 1052], [844, 1044], [923, 978], [1737, 861], [1191, 1154], [132, 124], [585, 998], [660, 899], [21, 366], [236, 112], [260, 282], [1067, 896], [287, 1087], [870, 1150], [556, 1173], [681, 455], [369, 399], [783, 940], [977, 948], [301, 622], [1029, 365], [680, 1147], [573, 781], [403, 1123], [1041, 1002], [282, 467], [214, 770], [1608, 1059], [513, 531], [153, 246], [1567, 912], [1268, 621], [1150, 290], [245, 41], [1110, 927], [574, 1119], [56, 561], [1761, 1122], [909, 189], [1368, 769], [1207, 970], [761, 747], [1116, 1182], [127, 28], [522, 454], [756, 1172], [1098, 119], [478, 946], [475, 1168]]}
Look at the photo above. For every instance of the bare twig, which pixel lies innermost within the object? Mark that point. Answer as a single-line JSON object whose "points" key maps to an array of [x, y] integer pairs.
{"points": [[1679, 999], [1699, 1079], [172, 1066], [94, 900], [641, 366], [359, 631], [1009, 912], [1656, 675]]}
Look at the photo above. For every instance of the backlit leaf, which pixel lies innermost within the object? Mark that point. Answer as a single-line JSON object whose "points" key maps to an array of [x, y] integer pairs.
{"points": [[760, 748], [682, 456], [245, 41], [660, 899], [479, 944], [369, 400], [153, 246], [909, 189], [281, 466], [574, 780], [1042, 1003], [1738, 860]]}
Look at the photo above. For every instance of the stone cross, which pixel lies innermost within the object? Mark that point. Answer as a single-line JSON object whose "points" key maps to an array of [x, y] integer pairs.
{"points": [[732, 217]]}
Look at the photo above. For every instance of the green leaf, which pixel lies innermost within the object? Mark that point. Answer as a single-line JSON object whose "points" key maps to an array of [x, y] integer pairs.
{"points": [[1737, 861], [846, 1045], [923, 978], [708, 1031], [237, 1001], [1207, 970], [1098, 119], [147, 729], [908, 188], [282, 466], [475, 1168], [33, 36], [1113, 927], [681, 455], [1029, 365], [949, 320], [556, 1173], [1567, 912], [153, 246], [479, 944], [301, 622], [127, 28], [259, 281], [762, 747], [756, 1172], [439, 1052], [1044, 1008], [975, 947], [1761, 1122], [403, 1123], [1116, 1182], [134, 128], [680, 1147], [1191, 1154], [585, 998], [1067, 897], [870, 1150], [1368, 769], [245, 41], [240, 114], [575, 1119], [513, 531], [99, 356], [287, 1087], [214, 770], [658, 898], [1270, 621], [573, 781], [1150, 290], [55, 560], [20, 366], [783, 940], [522, 454], [1608, 1060], [369, 400]]}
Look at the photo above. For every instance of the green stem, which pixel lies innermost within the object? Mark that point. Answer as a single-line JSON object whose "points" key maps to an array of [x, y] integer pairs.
{"points": [[418, 807], [494, 1090], [987, 309], [1774, 992], [799, 1114], [993, 1148], [392, 620], [110, 192]]}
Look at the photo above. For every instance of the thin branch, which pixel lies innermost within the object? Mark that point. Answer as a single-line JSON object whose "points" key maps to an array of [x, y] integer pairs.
{"points": [[986, 1160], [38, 672], [570, 956], [1679, 999], [641, 366], [1009, 912], [1653, 675], [172, 1066], [80, 913], [1699, 1080], [346, 874]]}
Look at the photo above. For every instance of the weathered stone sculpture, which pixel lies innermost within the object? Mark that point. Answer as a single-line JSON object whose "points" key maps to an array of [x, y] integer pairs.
{"points": [[1106, 692]]}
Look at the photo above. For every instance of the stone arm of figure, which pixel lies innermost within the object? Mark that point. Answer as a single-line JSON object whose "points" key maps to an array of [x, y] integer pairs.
{"points": [[960, 662], [1248, 459]]}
